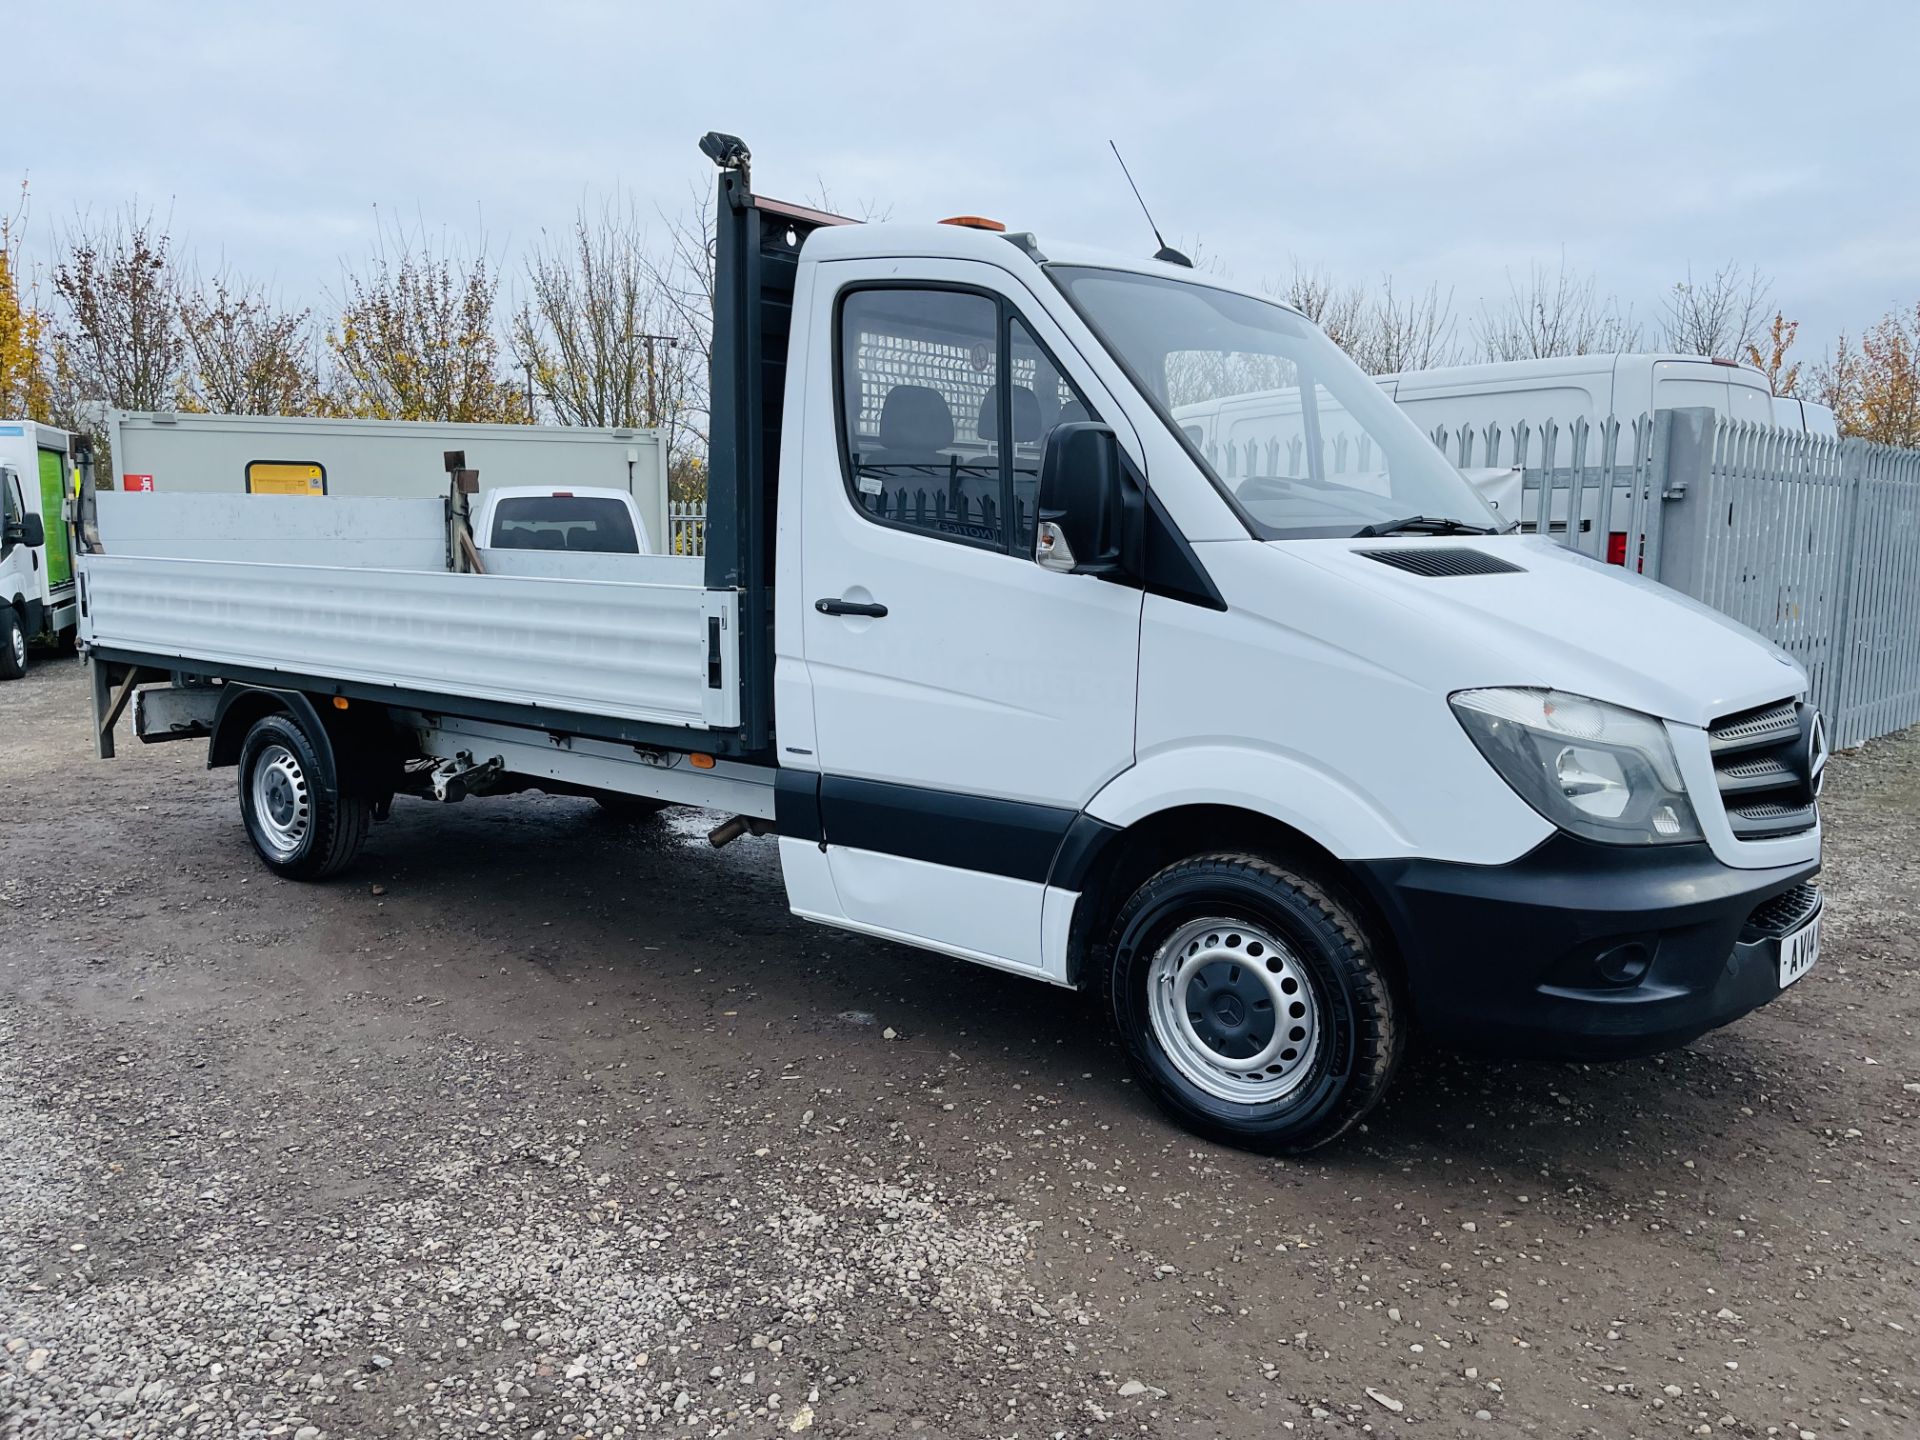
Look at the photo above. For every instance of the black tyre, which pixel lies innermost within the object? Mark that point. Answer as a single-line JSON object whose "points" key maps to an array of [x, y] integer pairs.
{"points": [[1251, 1001], [302, 827], [628, 807], [13, 643]]}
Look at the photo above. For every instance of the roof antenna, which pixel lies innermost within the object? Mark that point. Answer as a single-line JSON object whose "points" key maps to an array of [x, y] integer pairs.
{"points": [[1166, 252]]}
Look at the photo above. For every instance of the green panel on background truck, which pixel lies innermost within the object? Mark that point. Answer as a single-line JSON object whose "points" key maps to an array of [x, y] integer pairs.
{"points": [[53, 494]]}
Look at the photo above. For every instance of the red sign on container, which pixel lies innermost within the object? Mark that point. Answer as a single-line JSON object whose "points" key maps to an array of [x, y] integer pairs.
{"points": [[136, 482]]}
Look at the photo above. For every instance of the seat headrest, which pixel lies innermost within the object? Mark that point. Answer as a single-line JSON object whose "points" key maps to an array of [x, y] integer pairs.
{"points": [[915, 418], [1026, 416]]}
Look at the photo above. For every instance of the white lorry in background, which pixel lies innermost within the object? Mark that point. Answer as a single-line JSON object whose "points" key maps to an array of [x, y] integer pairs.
{"points": [[37, 591], [1282, 763], [169, 453], [1507, 406]]}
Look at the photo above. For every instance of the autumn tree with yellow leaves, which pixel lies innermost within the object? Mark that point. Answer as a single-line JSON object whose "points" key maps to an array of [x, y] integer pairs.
{"points": [[23, 376], [1768, 355], [416, 339], [1874, 385]]}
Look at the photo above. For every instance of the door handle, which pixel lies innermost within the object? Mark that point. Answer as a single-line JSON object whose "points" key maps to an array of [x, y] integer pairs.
{"points": [[869, 609]]}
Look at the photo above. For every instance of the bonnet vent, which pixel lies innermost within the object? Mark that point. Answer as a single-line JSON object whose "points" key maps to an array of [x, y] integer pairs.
{"points": [[1427, 560]]}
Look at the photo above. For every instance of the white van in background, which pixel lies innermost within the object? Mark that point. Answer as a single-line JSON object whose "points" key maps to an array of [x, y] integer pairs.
{"points": [[1592, 387], [1792, 413], [1262, 433]]}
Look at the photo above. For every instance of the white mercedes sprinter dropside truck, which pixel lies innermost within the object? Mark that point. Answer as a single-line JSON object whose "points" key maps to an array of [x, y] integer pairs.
{"points": [[1281, 765]]}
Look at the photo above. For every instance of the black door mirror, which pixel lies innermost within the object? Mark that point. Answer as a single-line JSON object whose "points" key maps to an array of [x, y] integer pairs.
{"points": [[1083, 495], [32, 531]]}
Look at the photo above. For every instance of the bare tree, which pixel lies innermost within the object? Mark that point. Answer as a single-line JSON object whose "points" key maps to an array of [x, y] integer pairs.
{"points": [[1553, 313], [1411, 334], [118, 340], [1381, 330], [246, 354], [683, 272], [1723, 315], [415, 338], [599, 338], [1338, 309]]}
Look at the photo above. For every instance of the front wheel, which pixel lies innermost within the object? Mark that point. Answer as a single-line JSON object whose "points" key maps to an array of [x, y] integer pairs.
{"points": [[13, 643], [1251, 1002], [301, 825]]}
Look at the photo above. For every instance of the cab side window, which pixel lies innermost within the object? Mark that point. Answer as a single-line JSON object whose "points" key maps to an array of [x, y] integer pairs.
{"points": [[918, 368], [12, 510], [947, 400]]}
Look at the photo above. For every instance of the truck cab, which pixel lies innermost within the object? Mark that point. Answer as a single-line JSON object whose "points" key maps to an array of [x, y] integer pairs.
{"points": [[1312, 706]]}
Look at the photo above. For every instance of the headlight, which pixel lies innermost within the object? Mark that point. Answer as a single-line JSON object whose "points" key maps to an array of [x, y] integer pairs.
{"points": [[1593, 769]]}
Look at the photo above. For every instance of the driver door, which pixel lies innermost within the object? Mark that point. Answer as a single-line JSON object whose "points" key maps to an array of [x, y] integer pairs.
{"points": [[966, 703]]}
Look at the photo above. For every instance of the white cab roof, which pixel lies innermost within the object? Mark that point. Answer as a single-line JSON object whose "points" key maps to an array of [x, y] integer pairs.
{"points": [[963, 242]]}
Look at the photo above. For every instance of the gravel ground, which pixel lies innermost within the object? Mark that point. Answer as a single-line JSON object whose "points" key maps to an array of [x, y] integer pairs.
{"points": [[539, 1125]]}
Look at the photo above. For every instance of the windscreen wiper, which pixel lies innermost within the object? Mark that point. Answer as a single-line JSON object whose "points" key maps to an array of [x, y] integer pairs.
{"points": [[1423, 525]]}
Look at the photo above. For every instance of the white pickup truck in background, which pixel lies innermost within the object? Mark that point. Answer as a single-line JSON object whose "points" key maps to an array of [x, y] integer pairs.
{"points": [[580, 533], [1282, 762]]}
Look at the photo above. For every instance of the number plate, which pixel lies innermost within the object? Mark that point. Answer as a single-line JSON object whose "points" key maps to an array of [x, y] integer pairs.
{"points": [[1798, 951]]}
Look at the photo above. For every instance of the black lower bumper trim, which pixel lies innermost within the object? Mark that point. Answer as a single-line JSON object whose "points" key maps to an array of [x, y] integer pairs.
{"points": [[1580, 950]]}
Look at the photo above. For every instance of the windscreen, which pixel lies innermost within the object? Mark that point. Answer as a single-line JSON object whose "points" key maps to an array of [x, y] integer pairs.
{"points": [[1281, 420], [597, 525]]}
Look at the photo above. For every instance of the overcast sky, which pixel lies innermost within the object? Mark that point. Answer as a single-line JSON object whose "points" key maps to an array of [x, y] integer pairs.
{"points": [[1438, 142]]}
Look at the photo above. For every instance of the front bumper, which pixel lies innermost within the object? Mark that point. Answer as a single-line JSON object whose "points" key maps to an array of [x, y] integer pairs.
{"points": [[1584, 951]]}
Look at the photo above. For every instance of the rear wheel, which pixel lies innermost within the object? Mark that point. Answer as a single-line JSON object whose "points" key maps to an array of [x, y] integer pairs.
{"points": [[302, 826], [13, 644], [1251, 1002]]}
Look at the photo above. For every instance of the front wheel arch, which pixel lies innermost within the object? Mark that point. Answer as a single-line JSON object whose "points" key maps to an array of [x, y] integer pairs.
{"points": [[1115, 863]]}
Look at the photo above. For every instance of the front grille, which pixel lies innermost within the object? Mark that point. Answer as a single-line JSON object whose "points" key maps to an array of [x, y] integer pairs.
{"points": [[1436, 561], [1763, 763], [1783, 914], [1767, 725]]}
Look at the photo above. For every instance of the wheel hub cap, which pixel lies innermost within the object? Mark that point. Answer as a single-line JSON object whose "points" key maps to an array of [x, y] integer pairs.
{"points": [[1234, 1010], [282, 805]]}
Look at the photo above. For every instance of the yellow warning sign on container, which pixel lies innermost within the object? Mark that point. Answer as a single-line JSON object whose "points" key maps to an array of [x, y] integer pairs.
{"points": [[286, 477]]}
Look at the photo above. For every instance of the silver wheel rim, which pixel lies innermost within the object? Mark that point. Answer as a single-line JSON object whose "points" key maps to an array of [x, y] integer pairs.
{"points": [[282, 803], [1233, 1009], [19, 647]]}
